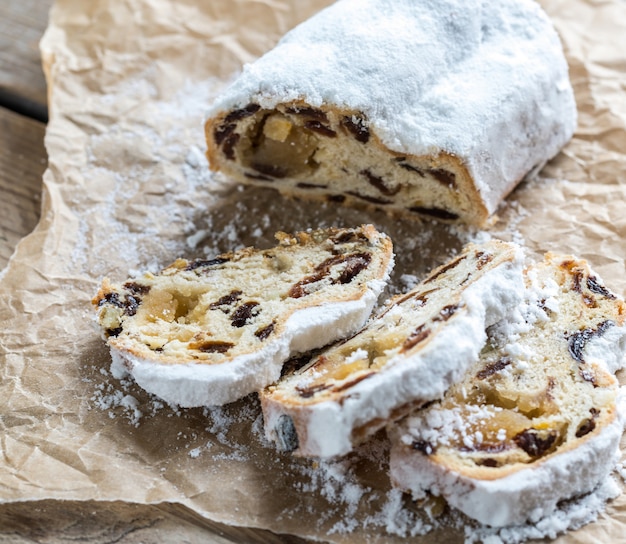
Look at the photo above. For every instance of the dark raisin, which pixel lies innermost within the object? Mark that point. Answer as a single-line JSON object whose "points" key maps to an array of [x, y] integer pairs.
{"points": [[487, 462], [447, 312], [444, 177], [411, 168], [206, 263], [418, 335], [244, 313], [222, 132], [424, 446], [371, 199], [357, 127], [336, 198], [535, 442], [347, 237], [307, 111], [212, 346], [379, 183], [129, 304], [272, 170], [483, 259], [137, 288], [236, 115], [354, 265], [315, 126], [308, 392], [435, 212], [264, 332], [226, 300], [588, 425], [445, 268], [595, 287], [578, 340], [492, 368], [304, 185], [229, 145], [113, 332], [352, 382]]}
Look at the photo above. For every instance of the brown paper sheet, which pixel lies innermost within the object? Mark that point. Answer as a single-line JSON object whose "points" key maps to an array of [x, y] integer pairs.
{"points": [[127, 189]]}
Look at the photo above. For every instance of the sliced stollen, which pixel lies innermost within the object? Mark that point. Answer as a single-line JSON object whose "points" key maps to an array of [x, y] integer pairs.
{"points": [[421, 344], [538, 419], [207, 332], [418, 107]]}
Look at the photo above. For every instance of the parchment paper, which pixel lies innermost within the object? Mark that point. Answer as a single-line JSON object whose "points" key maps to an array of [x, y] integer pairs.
{"points": [[128, 189]]}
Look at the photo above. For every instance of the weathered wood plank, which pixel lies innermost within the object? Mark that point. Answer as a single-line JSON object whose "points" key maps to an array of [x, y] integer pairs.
{"points": [[22, 83], [57, 522], [23, 160]]}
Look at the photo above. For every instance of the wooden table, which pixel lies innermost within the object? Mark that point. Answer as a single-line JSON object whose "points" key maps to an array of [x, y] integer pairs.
{"points": [[23, 160]]}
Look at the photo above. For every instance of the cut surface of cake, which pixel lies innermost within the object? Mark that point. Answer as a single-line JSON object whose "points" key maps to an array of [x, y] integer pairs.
{"points": [[421, 108], [538, 419], [207, 332], [410, 354]]}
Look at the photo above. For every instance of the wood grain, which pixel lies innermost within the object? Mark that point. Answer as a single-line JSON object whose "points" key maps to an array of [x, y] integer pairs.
{"points": [[22, 83], [57, 522], [23, 160]]}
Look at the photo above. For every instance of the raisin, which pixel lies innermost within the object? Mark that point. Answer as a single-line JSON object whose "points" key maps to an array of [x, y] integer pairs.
{"points": [[446, 178], [411, 168], [264, 332], [307, 111], [315, 126], [236, 115], [304, 185], [379, 183], [483, 259], [308, 392], [492, 368], [357, 127], [354, 265], [129, 304], [229, 145], [439, 213], [588, 425], [212, 346], [367, 198], [272, 170], [113, 332], [535, 442], [488, 462], [204, 263], [595, 287], [137, 288], [447, 312], [578, 340], [445, 268], [226, 300], [244, 313], [336, 198], [418, 335], [424, 446], [222, 132]]}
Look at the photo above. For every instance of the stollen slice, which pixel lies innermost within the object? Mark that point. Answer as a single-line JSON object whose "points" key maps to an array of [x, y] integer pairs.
{"points": [[208, 332]]}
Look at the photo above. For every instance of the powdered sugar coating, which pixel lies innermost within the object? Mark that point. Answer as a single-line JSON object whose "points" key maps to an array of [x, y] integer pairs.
{"points": [[484, 81], [190, 385]]}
